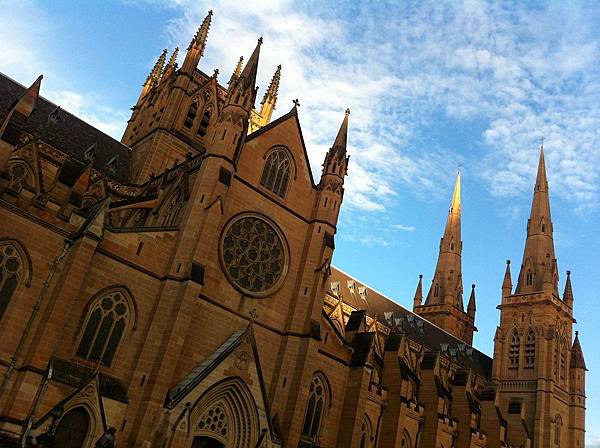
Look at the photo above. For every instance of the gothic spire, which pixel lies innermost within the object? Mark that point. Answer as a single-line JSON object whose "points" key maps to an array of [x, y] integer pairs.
{"points": [[158, 67], [336, 160], [472, 307], [250, 70], [568, 293], [242, 90], [237, 71], [271, 93], [538, 270], [418, 299], [195, 50], [447, 281], [577, 360], [507, 283]]}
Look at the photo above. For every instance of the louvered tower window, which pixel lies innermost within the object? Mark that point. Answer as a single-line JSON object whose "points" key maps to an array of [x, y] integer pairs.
{"points": [[530, 350], [191, 115], [276, 173], [513, 351], [204, 123]]}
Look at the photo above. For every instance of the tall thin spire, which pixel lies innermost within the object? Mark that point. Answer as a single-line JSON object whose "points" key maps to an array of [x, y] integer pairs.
{"points": [[538, 270], [237, 71], [195, 50], [272, 90], [242, 91], [336, 160], [447, 281], [251, 69]]}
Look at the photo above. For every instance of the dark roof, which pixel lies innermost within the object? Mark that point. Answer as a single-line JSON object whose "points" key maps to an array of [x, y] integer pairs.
{"points": [[67, 133], [416, 328]]}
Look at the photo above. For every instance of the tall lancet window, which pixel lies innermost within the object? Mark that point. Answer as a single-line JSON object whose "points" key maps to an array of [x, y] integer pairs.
{"points": [[530, 350], [557, 430], [317, 401], [105, 325], [13, 270], [205, 122], [513, 351], [276, 173]]}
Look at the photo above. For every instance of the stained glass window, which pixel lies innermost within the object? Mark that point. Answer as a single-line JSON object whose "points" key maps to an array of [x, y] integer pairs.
{"points": [[276, 173]]}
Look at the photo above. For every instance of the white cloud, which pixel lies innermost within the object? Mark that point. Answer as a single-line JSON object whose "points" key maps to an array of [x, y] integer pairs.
{"points": [[404, 228]]}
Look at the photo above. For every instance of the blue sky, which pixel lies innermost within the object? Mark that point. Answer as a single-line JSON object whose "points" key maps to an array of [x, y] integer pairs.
{"points": [[431, 86]]}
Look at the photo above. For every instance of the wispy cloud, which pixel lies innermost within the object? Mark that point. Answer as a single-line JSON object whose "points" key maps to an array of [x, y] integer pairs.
{"points": [[404, 228]]}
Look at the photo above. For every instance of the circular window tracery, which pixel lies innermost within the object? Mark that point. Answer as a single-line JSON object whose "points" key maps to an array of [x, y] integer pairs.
{"points": [[254, 255]]}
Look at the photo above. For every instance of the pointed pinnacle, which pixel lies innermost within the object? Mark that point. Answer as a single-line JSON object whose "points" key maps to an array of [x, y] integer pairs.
{"points": [[237, 71], [251, 68], [342, 136], [507, 283], [272, 90], [471, 307], [158, 66], [173, 58], [419, 291], [568, 293], [455, 205], [577, 359], [202, 33]]}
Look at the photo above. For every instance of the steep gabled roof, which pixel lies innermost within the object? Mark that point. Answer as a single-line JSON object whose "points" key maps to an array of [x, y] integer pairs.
{"points": [[65, 131], [292, 114], [416, 328]]}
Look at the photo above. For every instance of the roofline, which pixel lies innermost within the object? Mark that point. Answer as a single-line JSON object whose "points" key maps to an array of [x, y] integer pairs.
{"points": [[403, 307]]}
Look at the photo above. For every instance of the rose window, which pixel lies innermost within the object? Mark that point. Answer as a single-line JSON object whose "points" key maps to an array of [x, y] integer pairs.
{"points": [[253, 254]]}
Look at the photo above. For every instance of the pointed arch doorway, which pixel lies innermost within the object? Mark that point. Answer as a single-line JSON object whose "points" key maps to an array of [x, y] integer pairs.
{"points": [[206, 442], [72, 430]]}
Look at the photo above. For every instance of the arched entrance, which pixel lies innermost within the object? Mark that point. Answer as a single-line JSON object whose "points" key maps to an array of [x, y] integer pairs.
{"points": [[72, 429], [206, 442]]}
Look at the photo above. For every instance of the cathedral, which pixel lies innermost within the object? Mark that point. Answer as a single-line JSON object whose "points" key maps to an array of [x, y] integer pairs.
{"points": [[176, 290]]}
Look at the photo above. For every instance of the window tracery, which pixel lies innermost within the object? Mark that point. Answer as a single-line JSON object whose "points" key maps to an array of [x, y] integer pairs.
{"points": [[557, 430], [513, 351], [215, 420], [11, 274], [365, 438], [530, 350], [317, 400], [253, 254], [172, 209], [276, 172], [104, 328], [19, 175], [204, 122]]}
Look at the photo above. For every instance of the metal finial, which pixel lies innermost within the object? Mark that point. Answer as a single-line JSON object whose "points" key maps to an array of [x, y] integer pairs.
{"points": [[347, 111], [296, 102], [542, 142]]}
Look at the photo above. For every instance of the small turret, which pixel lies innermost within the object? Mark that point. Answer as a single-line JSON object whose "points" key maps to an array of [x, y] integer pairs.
{"points": [[336, 160], [154, 76], [195, 50], [577, 360], [418, 299], [507, 283]]}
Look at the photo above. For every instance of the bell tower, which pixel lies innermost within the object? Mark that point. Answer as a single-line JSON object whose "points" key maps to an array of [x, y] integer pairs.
{"points": [[533, 343]]}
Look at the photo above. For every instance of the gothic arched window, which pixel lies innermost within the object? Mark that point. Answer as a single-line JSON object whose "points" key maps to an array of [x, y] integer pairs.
{"points": [[14, 268], [317, 401], [108, 317], [530, 350], [513, 351], [276, 173], [436, 290], [405, 441], [203, 127], [191, 115]]}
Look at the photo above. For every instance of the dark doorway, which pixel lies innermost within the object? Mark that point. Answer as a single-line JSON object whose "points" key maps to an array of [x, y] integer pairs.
{"points": [[206, 442], [72, 429]]}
